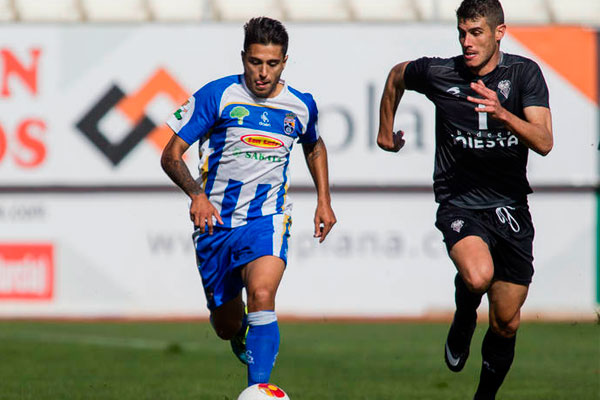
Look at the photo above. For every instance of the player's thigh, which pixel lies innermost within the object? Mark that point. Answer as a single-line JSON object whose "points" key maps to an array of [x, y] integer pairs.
{"points": [[506, 300], [261, 278], [473, 260]]}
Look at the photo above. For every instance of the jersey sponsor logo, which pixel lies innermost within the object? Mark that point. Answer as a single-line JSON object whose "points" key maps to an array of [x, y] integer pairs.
{"points": [[485, 140], [504, 88], [454, 90], [265, 119], [264, 142], [257, 156], [457, 225], [289, 123], [185, 107], [240, 113]]}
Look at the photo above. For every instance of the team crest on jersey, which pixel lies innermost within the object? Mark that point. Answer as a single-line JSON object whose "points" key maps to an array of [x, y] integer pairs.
{"points": [[240, 113], [289, 123], [504, 88], [457, 225], [185, 107]]}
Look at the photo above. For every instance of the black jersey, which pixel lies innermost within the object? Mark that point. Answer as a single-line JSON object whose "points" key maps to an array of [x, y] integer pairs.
{"points": [[479, 163]]}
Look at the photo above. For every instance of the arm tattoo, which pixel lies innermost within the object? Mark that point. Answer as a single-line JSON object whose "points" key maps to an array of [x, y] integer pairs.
{"points": [[314, 152], [180, 174]]}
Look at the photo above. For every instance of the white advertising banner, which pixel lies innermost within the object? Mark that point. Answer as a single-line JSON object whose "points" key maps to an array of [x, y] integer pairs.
{"points": [[86, 105], [131, 255]]}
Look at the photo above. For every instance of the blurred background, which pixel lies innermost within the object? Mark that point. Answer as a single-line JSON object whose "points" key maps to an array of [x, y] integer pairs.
{"points": [[91, 227]]}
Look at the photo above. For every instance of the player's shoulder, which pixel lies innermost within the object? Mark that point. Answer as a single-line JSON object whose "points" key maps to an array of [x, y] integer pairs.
{"points": [[518, 61], [305, 98], [432, 67]]}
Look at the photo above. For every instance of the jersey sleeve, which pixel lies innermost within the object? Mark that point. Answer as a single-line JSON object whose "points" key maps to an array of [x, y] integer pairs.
{"points": [[197, 115], [311, 133], [416, 75], [534, 88]]}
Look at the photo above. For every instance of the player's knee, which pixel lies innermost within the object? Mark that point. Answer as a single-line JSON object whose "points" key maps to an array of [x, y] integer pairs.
{"points": [[479, 281], [505, 327], [227, 331], [261, 299]]}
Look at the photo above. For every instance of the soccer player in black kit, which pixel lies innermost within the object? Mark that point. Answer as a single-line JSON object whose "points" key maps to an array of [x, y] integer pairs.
{"points": [[491, 108]]}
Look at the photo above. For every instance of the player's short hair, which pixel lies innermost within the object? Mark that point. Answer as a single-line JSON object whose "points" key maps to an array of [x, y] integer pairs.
{"points": [[491, 10], [264, 30]]}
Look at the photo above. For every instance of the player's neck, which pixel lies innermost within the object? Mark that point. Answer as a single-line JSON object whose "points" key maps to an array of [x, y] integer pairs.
{"points": [[490, 65]]}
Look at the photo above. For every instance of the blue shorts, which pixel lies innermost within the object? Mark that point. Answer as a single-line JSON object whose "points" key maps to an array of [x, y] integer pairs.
{"points": [[220, 255]]}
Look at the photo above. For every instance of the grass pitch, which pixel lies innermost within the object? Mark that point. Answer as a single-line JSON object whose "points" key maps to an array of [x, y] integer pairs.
{"points": [[317, 361]]}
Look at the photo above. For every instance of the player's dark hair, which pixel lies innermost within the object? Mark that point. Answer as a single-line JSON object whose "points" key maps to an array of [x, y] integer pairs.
{"points": [[491, 10], [264, 30]]}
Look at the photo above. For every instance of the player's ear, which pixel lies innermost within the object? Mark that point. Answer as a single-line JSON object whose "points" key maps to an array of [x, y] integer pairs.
{"points": [[243, 54], [284, 60], [500, 31]]}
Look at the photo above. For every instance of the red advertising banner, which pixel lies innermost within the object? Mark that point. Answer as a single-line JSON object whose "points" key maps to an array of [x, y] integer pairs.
{"points": [[26, 271]]}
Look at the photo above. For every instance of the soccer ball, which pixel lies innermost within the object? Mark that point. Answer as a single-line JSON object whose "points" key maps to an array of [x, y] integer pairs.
{"points": [[263, 391]]}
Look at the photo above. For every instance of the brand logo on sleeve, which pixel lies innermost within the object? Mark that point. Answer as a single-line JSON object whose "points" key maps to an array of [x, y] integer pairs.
{"points": [[182, 110]]}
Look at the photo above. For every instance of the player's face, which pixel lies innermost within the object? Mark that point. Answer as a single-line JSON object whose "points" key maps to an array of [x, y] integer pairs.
{"points": [[263, 65], [480, 44]]}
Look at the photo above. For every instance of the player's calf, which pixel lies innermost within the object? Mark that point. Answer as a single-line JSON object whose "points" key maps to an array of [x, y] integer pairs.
{"points": [[262, 345]]}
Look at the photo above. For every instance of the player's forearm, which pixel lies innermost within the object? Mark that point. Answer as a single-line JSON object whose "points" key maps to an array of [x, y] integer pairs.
{"points": [[536, 136], [316, 160], [179, 173], [392, 94]]}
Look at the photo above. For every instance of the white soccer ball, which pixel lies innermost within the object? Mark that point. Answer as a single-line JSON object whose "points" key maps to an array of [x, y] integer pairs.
{"points": [[263, 391]]}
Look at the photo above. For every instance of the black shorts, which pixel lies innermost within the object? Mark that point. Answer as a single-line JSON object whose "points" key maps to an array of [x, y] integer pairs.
{"points": [[508, 232]]}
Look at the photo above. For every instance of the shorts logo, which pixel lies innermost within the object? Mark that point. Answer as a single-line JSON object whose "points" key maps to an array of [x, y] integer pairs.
{"points": [[504, 88], [264, 142], [289, 123], [240, 113], [457, 225]]}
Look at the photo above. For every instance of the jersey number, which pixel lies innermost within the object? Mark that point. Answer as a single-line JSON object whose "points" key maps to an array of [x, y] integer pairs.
{"points": [[483, 119]]}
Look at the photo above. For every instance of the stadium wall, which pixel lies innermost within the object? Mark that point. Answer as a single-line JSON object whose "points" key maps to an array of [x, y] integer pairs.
{"points": [[91, 227]]}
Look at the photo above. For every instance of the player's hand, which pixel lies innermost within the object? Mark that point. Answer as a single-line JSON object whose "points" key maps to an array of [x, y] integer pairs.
{"points": [[490, 103], [202, 213], [394, 145], [324, 221]]}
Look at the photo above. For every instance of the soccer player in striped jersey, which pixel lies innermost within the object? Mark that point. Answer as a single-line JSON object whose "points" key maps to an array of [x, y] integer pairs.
{"points": [[246, 126]]}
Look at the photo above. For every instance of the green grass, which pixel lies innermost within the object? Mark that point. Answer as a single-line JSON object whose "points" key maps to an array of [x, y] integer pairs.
{"points": [[64, 360]]}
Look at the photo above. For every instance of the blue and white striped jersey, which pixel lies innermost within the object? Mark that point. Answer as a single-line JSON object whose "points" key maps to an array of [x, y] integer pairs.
{"points": [[245, 145]]}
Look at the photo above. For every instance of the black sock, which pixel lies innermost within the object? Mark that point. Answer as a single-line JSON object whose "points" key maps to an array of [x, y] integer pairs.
{"points": [[466, 304], [498, 353]]}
